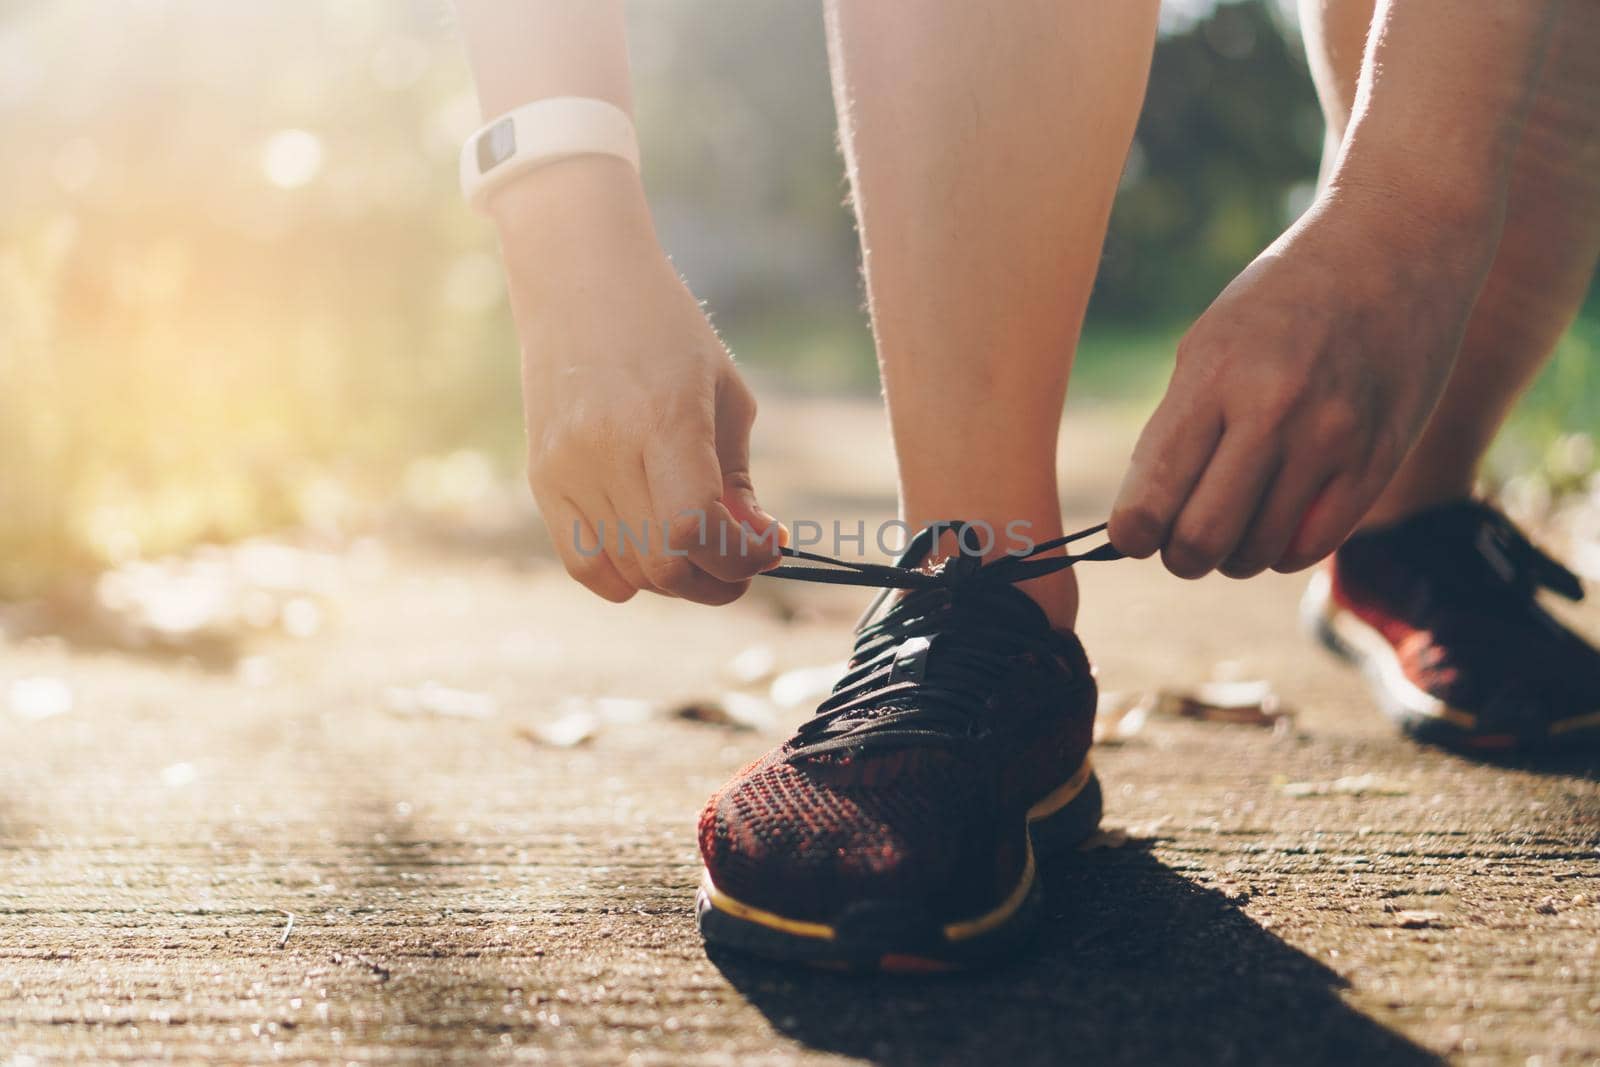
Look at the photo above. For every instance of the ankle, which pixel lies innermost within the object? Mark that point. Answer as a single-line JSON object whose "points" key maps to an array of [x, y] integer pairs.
{"points": [[1056, 594], [1400, 500]]}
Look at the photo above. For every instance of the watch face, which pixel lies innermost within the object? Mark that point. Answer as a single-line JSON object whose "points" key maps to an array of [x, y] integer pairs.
{"points": [[496, 144]]}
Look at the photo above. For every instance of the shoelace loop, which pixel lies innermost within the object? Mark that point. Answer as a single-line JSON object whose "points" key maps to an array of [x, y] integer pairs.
{"points": [[922, 672]]}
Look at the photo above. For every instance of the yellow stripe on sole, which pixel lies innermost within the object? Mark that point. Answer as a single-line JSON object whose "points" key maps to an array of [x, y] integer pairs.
{"points": [[1577, 722], [740, 910], [1063, 794], [961, 931]]}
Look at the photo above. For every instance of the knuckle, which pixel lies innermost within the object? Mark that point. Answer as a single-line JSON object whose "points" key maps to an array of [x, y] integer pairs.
{"points": [[1190, 550], [1136, 530], [667, 572], [1312, 552], [585, 431], [586, 569], [1336, 422], [1246, 564], [1190, 347], [687, 528], [1277, 395], [723, 593], [613, 591]]}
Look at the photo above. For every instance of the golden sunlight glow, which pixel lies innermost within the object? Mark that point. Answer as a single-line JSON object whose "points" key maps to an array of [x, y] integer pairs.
{"points": [[291, 158]]}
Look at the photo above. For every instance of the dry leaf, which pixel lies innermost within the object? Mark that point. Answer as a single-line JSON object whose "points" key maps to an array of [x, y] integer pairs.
{"points": [[566, 731], [1119, 716], [738, 711], [1248, 703]]}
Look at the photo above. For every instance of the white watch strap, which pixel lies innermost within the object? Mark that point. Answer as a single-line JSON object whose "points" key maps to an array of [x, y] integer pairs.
{"points": [[542, 132]]}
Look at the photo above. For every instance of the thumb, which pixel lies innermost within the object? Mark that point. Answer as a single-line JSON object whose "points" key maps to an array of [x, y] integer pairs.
{"points": [[736, 414]]}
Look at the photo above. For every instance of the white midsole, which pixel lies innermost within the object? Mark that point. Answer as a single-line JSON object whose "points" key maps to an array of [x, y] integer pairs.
{"points": [[1375, 655]]}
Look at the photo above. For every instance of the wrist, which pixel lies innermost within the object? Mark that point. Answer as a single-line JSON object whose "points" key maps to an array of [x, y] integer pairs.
{"points": [[1454, 184], [1450, 216], [586, 202]]}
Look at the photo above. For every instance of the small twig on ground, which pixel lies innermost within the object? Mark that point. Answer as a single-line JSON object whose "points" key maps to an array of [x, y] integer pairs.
{"points": [[287, 929]]}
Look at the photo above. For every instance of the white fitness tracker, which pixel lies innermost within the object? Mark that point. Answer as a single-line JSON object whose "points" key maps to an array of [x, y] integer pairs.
{"points": [[542, 132]]}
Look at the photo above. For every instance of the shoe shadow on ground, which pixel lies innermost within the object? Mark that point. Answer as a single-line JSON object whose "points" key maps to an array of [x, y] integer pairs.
{"points": [[1582, 764], [1135, 964]]}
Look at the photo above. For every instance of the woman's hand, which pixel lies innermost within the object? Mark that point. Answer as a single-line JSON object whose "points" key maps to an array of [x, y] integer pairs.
{"points": [[1301, 389], [638, 424]]}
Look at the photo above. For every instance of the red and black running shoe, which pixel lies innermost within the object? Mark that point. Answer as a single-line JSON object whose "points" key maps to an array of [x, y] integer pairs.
{"points": [[898, 829], [1441, 613]]}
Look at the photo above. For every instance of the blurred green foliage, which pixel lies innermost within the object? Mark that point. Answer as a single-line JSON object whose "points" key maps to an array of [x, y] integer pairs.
{"points": [[238, 288]]}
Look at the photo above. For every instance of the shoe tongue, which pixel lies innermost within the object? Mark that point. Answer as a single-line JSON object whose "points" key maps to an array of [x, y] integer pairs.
{"points": [[976, 600]]}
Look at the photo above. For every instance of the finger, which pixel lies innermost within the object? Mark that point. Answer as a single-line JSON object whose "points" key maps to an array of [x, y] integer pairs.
{"points": [[1223, 502], [685, 491], [616, 534], [1298, 482], [645, 547], [1167, 462], [1329, 519], [736, 414], [579, 546]]}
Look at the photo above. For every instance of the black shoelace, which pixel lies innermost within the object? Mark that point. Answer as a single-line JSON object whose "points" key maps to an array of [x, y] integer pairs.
{"points": [[923, 671]]}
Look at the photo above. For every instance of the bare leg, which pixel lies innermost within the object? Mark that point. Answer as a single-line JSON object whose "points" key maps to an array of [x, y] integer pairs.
{"points": [[984, 151], [1546, 256]]}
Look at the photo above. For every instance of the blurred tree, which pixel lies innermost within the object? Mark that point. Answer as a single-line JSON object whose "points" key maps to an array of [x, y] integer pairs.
{"points": [[1225, 154]]}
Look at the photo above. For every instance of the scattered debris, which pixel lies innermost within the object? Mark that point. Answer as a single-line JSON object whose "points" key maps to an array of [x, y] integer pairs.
{"points": [[1360, 785], [738, 711], [566, 731], [256, 672], [805, 685], [752, 666], [1119, 716], [287, 929], [1247, 703], [431, 698], [301, 617], [1421, 920], [612, 711], [379, 970], [178, 775], [40, 697], [579, 719], [1235, 894], [217, 595]]}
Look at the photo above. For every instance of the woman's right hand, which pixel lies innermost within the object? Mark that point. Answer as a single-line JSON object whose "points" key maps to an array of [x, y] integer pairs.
{"points": [[638, 424]]}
